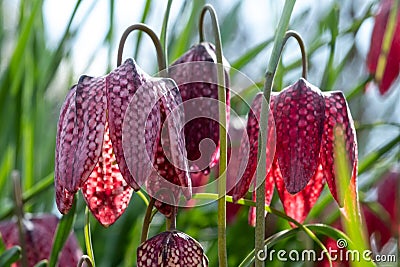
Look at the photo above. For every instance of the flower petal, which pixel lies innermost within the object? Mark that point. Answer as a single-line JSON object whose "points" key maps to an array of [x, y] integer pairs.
{"points": [[299, 117], [91, 104], [299, 205], [338, 114], [141, 131], [122, 84], [198, 84], [172, 248], [249, 147], [66, 143], [106, 192], [171, 167], [392, 66], [64, 198]]}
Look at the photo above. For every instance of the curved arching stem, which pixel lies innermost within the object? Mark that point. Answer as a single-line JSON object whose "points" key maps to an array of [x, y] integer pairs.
{"points": [[262, 135], [300, 41], [147, 220], [148, 217], [222, 255], [162, 64]]}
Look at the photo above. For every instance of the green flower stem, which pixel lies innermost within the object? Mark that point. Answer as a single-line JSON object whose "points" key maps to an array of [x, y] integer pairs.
{"points": [[147, 220], [304, 60], [88, 237], [222, 255], [143, 197], [19, 211], [162, 64], [163, 35], [262, 137]]}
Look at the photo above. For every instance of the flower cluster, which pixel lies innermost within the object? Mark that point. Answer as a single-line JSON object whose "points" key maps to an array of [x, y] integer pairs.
{"points": [[118, 132]]}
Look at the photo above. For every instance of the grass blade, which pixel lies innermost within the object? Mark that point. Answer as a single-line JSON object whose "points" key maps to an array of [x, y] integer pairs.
{"points": [[62, 232], [10, 256]]}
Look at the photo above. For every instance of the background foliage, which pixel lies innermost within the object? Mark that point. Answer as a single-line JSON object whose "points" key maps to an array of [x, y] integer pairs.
{"points": [[35, 74]]}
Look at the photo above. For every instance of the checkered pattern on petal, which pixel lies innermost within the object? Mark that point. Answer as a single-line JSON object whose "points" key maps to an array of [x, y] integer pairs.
{"points": [[122, 84], [66, 144], [337, 114], [172, 248], [299, 113], [249, 147], [91, 105], [197, 83], [106, 192]]}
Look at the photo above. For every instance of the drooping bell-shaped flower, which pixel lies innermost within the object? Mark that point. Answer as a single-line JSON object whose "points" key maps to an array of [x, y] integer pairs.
{"points": [[305, 120], [169, 175], [384, 77], [39, 235], [171, 248], [108, 134], [195, 72], [382, 228]]}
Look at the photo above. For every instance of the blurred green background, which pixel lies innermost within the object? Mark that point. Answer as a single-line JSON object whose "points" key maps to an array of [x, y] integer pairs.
{"points": [[45, 45]]}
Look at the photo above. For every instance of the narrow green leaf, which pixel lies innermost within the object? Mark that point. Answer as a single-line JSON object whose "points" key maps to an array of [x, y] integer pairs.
{"points": [[230, 23], [348, 192], [2, 245], [50, 70], [62, 232], [358, 88], [39, 187], [10, 256], [27, 127], [110, 33], [145, 14], [184, 39], [332, 21], [251, 54], [371, 159], [6, 166], [23, 41]]}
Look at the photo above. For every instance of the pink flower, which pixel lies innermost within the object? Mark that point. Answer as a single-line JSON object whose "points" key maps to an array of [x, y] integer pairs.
{"points": [[392, 67], [39, 235], [195, 73], [304, 119]]}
